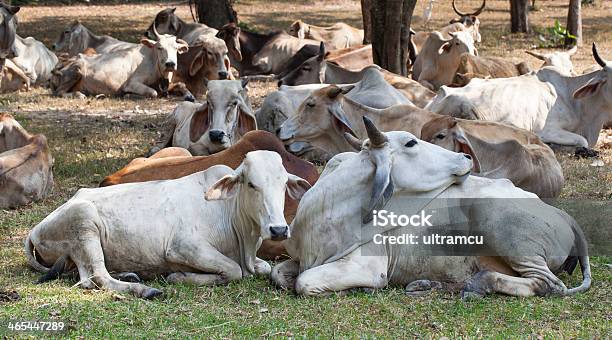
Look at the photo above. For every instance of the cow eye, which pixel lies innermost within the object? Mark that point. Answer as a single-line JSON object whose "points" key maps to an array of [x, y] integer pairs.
{"points": [[440, 136], [411, 143], [306, 68], [310, 104], [252, 186]]}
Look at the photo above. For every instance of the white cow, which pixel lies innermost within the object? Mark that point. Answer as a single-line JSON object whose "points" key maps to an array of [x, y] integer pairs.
{"points": [[35, 59], [529, 241], [203, 229], [561, 109]]}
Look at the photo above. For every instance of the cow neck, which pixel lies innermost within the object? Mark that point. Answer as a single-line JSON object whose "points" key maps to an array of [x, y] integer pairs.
{"points": [[243, 227], [251, 43], [94, 41]]}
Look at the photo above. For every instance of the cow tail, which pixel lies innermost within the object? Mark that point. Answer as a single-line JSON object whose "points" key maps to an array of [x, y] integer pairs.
{"points": [[585, 265], [29, 250]]}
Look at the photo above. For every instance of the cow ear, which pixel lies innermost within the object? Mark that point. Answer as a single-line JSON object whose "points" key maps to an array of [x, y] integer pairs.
{"points": [[340, 121], [223, 189], [297, 186], [246, 119], [301, 33], [444, 48], [199, 123], [197, 63], [589, 88], [13, 9], [183, 46], [465, 147], [148, 43], [382, 185], [322, 52]]}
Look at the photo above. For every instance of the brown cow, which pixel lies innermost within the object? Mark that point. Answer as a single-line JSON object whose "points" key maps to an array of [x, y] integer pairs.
{"points": [[471, 66], [500, 151], [12, 78], [25, 165], [143, 170]]}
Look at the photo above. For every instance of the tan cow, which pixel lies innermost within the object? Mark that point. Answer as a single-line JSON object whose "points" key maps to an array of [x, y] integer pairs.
{"points": [[500, 151], [327, 114], [339, 35], [437, 62], [25, 165], [130, 71], [13, 78], [471, 66]]}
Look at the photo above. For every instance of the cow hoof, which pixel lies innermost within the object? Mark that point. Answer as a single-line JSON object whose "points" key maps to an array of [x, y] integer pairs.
{"points": [[468, 295], [189, 98], [421, 287], [151, 293], [585, 152], [128, 277]]}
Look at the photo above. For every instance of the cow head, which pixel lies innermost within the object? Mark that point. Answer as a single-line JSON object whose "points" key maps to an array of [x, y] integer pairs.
{"points": [[165, 22], [230, 34], [166, 50], [298, 29], [470, 20], [601, 83], [406, 164], [560, 60], [8, 30], [259, 185], [312, 71], [458, 43], [207, 59], [320, 120], [223, 119], [12, 134], [445, 132], [72, 40]]}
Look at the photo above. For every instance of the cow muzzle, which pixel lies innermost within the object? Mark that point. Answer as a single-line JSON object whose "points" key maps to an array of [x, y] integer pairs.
{"points": [[217, 136], [279, 233]]}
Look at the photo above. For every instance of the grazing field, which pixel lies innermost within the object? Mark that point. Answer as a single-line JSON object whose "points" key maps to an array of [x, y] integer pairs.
{"points": [[92, 138]]}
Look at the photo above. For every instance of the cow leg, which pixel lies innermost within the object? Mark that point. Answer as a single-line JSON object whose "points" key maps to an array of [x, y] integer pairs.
{"points": [[210, 267], [262, 267], [138, 89], [89, 259], [284, 274], [127, 277], [353, 271], [536, 280], [562, 137]]}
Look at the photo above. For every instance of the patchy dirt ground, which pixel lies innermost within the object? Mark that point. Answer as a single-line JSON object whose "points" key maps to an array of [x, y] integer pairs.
{"points": [[92, 138]]}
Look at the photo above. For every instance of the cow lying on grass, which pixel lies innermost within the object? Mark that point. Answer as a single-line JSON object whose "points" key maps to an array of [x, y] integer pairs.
{"points": [[26, 166], [528, 240], [202, 229], [172, 163], [130, 71]]}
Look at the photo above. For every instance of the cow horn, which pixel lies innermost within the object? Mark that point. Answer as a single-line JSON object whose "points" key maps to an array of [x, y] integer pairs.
{"points": [[377, 138], [598, 59], [536, 54], [155, 31], [478, 11], [353, 141]]}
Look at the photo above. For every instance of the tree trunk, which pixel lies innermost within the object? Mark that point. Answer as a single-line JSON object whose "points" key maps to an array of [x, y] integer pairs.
{"points": [[391, 33], [574, 23], [216, 13], [366, 13], [519, 16]]}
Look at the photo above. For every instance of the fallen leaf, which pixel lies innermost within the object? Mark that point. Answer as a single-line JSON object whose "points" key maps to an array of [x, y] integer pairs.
{"points": [[263, 310], [255, 302], [597, 163]]}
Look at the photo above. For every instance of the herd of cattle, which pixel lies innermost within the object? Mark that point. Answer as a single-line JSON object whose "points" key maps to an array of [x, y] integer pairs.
{"points": [[228, 186]]}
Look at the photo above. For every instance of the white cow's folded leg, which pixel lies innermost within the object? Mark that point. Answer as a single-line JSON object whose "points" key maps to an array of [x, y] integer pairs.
{"points": [[262, 267], [562, 137], [353, 271], [89, 258], [139, 89], [210, 267], [284, 274]]}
